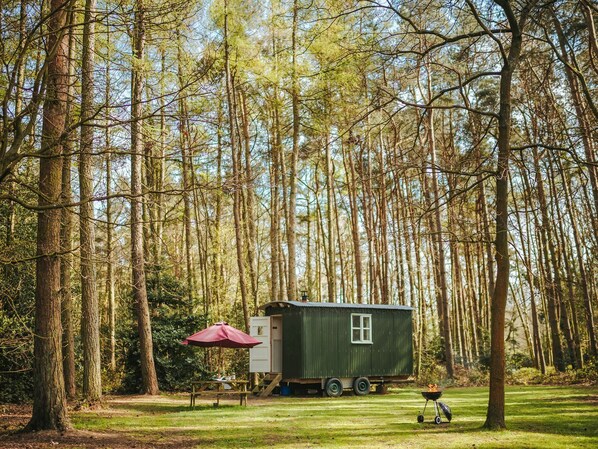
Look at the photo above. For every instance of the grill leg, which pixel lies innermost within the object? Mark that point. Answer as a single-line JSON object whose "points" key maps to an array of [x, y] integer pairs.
{"points": [[420, 417]]}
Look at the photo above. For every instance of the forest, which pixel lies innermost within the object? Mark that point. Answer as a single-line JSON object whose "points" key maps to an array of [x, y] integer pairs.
{"points": [[168, 164]]}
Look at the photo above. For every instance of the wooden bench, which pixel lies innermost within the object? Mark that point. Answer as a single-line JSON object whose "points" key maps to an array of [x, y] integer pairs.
{"points": [[217, 388]]}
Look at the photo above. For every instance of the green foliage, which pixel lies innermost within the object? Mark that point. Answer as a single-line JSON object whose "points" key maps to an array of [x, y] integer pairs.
{"points": [[531, 376], [432, 369], [432, 374], [172, 320], [16, 359], [526, 376], [470, 377], [589, 372], [518, 360], [17, 302]]}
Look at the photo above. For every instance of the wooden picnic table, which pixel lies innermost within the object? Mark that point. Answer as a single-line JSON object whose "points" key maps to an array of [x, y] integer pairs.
{"points": [[218, 388]]}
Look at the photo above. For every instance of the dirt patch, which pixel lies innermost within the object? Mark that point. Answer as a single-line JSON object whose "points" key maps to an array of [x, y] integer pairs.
{"points": [[13, 419], [84, 439]]}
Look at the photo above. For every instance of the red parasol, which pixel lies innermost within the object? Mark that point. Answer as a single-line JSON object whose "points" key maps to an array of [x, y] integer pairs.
{"points": [[221, 335]]}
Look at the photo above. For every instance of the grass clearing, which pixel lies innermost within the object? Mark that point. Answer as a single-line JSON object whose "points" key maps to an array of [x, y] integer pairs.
{"points": [[538, 416]]}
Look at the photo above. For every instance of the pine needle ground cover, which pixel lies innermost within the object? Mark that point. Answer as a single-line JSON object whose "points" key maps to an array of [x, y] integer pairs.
{"points": [[537, 417]]}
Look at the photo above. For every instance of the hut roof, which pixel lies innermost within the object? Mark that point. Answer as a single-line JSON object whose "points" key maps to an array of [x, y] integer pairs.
{"points": [[333, 305]]}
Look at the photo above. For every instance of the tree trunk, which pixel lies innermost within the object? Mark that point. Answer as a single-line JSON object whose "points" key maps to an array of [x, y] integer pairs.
{"points": [[110, 284], [443, 311], [275, 291], [184, 140], [352, 190], [587, 297], [251, 220], [495, 417], [539, 362], [49, 397], [291, 219], [237, 181], [110, 281], [472, 292], [482, 213], [66, 235], [365, 167], [552, 277], [331, 278], [568, 316], [90, 315], [383, 252], [217, 271], [148, 369]]}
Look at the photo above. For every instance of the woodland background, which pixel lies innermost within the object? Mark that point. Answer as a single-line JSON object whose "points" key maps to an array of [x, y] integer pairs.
{"points": [[230, 153]]}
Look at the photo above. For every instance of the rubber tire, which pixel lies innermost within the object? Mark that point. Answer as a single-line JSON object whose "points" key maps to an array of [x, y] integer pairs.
{"points": [[437, 420], [420, 418], [333, 388], [361, 386]]}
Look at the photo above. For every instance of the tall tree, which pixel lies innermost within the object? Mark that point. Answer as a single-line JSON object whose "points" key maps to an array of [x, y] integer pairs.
{"points": [[66, 236], [148, 369], [236, 162], [291, 213], [90, 314], [110, 277], [495, 416], [49, 397], [185, 143], [436, 223]]}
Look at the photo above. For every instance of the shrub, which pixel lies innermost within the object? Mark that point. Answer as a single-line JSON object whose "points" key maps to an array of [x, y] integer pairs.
{"points": [[432, 374], [172, 320], [17, 299], [470, 377], [525, 376], [589, 373], [518, 360]]}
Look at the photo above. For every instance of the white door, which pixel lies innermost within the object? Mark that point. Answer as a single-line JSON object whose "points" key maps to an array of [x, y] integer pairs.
{"points": [[260, 359], [277, 344]]}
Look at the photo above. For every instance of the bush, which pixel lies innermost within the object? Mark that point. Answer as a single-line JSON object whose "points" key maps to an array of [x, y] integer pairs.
{"points": [[470, 377], [17, 301], [589, 373], [16, 360], [525, 376], [432, 374], [518, 360], [16, 387], [172, 320], [531, 376], [432, 369]]}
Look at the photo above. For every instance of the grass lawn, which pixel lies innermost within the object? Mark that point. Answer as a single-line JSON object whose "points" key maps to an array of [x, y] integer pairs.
{"points": [[537, 417]]}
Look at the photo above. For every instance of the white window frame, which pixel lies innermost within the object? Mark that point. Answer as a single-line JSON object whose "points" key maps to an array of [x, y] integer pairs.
{"points": [[361, 328]]}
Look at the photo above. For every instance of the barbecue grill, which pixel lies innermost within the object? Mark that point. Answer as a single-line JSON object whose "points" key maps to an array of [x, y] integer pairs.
{"points": [[433, 394]]}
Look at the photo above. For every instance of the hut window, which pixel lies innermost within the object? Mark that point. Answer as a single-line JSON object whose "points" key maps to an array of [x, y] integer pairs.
{"points": [[361, 328]]}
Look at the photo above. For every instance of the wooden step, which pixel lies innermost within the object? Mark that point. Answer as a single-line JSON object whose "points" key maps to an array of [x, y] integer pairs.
{"points": [[263, 383], [271, 386]]}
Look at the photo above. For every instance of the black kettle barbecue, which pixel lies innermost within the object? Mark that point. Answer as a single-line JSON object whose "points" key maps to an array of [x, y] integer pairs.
{"points": [[433, 394]]}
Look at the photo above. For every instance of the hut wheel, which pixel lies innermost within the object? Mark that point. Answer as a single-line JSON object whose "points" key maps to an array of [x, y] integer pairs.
{"points": [[361, 386], [334, 387]]}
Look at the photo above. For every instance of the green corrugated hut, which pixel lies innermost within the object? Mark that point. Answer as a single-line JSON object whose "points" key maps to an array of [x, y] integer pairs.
{"points": [[333, 346]]}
